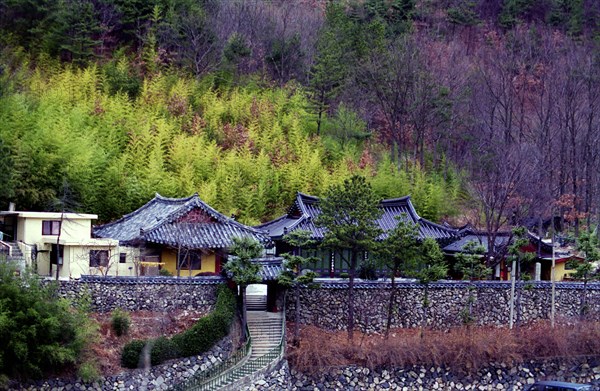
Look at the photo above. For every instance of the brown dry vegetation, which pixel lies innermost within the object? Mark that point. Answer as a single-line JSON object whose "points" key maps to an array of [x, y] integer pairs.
{"points": [[144, 324], [461, 349]]}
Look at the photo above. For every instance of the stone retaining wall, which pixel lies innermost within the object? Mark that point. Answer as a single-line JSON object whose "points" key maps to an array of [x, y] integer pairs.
{"points": [[421, 378], [326, 306], [159, 377], [152, 294]]}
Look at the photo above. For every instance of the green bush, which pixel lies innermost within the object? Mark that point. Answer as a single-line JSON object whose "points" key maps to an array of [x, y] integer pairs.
{"points": [[88, 372], [39, 334], [196, 340], [132, 353], [120, 322], [163, 349], [165, 273]]}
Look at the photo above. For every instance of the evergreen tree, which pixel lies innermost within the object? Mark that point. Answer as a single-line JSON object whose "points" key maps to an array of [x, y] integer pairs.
{"points": [[429, 266], [294, 275], [586, 270], [470, 263], [397, 253], [349, 214], [328, 74], [521, 258], [241, 268]]}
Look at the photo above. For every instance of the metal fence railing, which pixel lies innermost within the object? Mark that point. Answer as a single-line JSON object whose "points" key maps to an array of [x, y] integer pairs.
{"points": [[206, 379], [237, 366]]}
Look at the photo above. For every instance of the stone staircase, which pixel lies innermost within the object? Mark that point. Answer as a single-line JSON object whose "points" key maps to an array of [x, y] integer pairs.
{"points": [[256, 302], [14, 254], [266, 332]]}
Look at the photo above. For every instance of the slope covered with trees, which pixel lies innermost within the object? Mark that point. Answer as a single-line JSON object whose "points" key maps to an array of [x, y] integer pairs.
{"points": [[248, 102]]}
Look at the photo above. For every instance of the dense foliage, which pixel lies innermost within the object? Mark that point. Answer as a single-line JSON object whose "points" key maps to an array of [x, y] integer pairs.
{"points": [[249, 102], [39, 334], [196, 340], [245, 150]]}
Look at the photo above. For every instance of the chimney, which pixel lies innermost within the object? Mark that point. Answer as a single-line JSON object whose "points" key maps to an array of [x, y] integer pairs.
{"points": [[11, 206]]}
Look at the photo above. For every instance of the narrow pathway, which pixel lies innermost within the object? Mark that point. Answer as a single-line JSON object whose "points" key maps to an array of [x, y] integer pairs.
{"points": [[266, 331]]}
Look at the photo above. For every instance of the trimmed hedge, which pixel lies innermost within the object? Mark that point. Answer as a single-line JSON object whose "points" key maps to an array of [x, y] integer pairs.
{"points": [[196, 340], [132, 353]]}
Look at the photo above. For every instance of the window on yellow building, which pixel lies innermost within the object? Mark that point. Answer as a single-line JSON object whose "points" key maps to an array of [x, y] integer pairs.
{"points": [[98, 258], [50, 227]]}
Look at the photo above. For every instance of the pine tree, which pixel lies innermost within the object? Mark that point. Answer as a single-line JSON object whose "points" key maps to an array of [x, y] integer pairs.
{"points": [[241, 268], [397, 253], [294, 275], [349, 213]]}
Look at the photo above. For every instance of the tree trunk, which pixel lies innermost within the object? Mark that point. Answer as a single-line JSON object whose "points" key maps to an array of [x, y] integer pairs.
{"points": [[425, 309], [62, 218], [583, 310], [297, 320], [391, 305], [244, 318], [351, 297], [179, 261]]}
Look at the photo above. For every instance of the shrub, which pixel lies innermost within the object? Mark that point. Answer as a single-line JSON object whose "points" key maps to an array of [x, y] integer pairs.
{"points": [[199, 338], [40, 334], [163, 349], [196, 340], [120, 322], [132, 353], [88, 372], [165, 273]]}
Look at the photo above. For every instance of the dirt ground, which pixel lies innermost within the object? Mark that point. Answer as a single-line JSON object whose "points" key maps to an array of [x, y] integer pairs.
{"points": [[144, 325]]}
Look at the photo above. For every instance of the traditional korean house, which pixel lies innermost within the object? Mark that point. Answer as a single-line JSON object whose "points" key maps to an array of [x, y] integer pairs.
{"points": [[503, 239], [302, 213], [168, 231]]}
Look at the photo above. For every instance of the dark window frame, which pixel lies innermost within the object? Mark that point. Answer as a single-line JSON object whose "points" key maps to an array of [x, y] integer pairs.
{"points": [[99, 258], [122, 257], [51, 227], [193, 257]]}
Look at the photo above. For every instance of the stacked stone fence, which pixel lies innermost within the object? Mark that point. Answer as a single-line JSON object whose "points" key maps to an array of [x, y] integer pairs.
{"points": [[327, 306], [509, 377], [143, 293]]}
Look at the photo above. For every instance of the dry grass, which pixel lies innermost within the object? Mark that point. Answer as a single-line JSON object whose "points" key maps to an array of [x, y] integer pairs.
{"points": [[461, 349], [144, 324]]}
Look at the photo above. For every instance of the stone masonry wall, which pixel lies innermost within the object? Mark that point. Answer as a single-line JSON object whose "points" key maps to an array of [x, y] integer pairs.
{"points": [[159, 377], [496, 377], [152, 294], [326, 306]]}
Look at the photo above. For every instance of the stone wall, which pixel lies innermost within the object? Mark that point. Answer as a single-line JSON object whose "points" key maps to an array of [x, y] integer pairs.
{"points": [[159, 377], [326, 306], [420, 378], [152, 294]]}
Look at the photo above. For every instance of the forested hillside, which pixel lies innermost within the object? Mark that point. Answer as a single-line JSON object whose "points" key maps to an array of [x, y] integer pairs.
{"points": [[488, 110]]}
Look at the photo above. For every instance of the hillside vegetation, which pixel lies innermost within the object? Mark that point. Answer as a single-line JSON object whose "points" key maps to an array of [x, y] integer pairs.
{"points": [[245, 150], [487, 110]]}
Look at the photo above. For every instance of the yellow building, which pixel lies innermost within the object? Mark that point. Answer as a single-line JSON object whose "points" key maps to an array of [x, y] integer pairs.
{"points": [[47, 241], [184, 236]]}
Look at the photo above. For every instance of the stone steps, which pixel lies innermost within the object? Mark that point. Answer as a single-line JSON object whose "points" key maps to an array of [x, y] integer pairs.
{"points": [[256, 302]]}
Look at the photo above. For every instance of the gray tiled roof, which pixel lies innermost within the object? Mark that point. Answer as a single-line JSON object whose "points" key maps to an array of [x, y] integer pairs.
{"points": [[271, 267], [501, 241], [306, 208], [157, 222]]}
